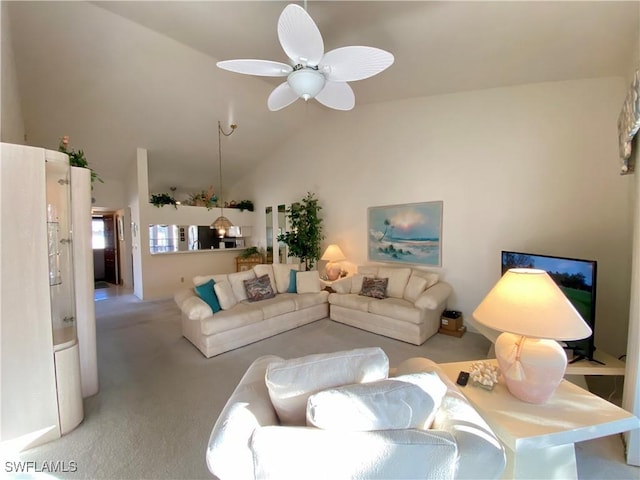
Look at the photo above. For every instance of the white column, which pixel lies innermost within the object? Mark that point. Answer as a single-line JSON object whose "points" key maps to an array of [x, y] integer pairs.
{"points": [[83, 278]]}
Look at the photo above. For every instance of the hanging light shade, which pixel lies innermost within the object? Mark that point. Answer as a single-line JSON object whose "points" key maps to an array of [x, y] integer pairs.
{"points": [[222, 225], [307, 83]]}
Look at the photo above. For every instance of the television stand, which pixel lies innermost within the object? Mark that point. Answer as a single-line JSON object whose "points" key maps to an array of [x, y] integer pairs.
{"points": [[602, 364]]}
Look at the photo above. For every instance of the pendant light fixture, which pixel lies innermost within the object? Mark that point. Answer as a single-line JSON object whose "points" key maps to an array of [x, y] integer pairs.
{"points": [[222, 223]]}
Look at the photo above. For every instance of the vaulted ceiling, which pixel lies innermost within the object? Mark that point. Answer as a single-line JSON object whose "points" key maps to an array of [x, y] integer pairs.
{"points": [[120, 75]]}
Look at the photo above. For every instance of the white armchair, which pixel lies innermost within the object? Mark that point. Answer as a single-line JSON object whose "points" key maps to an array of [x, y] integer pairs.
{"points": [[248, 440]]}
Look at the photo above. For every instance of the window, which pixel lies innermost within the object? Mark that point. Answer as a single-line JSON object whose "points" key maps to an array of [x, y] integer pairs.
{"points": [[97, 233]]}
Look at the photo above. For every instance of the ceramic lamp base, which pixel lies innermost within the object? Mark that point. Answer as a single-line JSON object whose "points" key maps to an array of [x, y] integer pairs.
{"points": [[332, 270], [539, 370]]}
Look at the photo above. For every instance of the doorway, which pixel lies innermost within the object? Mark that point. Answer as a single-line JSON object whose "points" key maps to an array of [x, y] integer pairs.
{"points": [[105, 249]]}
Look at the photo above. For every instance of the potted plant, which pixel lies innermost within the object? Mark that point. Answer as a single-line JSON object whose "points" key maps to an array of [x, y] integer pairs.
{"points": [[77, 159], [203, 199], [305, 235], [161, 199]]}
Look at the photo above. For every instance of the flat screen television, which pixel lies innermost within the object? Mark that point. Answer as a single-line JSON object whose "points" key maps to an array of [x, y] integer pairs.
{"points": [[577, 280]]}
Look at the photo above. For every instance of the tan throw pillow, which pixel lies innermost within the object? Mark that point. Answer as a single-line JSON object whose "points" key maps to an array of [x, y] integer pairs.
{"points": [[308, 282], [281, 272], [356, 283], [374, 287], [225, 295], [237, 283], [398, 278], [408, 401], [291, 382], [259, 288], [415, 287]]}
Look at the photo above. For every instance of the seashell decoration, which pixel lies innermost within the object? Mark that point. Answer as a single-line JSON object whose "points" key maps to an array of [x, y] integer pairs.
{"points": [[483, 375]]}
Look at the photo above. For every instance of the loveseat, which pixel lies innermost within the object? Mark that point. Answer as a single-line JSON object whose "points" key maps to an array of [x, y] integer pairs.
{"points": [[340, 415], [284, 298], [408, 308]]}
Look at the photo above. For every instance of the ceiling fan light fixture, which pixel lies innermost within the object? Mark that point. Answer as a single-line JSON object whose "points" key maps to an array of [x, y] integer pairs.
{"points": [[306, 82]]}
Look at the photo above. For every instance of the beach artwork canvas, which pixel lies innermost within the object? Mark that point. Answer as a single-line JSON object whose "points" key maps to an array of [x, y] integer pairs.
{"points": [[409, 233]]}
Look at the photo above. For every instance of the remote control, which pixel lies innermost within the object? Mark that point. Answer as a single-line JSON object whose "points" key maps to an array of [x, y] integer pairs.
{"points": [[463, 379]]}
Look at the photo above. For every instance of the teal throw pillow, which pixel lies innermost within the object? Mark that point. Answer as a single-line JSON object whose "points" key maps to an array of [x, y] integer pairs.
{"points": [[206, 293], [292, 282]]}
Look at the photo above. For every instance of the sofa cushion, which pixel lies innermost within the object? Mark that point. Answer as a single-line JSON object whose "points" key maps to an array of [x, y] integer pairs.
{"points": [[374, 287], [398, 278], [259, 288], [342, 285], [368, 271], [240, 315], [308, 282], [356, 283], [397, 309], [278, 305], [351, 300], [206, 293], [313, 454], [432, 278], [237, 283], [266, 269], [291, 382], [408, 401], [415, 286], [219, 277], [281, 272], [225, 295], [306, 300]]}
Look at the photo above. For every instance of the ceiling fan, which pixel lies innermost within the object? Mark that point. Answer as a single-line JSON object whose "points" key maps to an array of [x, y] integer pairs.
{"points": [[312, 73]]}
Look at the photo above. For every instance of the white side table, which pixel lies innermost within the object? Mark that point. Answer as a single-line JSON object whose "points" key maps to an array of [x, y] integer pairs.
{"points": [[539, 439]]}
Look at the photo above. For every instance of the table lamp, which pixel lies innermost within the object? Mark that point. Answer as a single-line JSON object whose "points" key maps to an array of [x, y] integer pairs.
{"points": [[333, 254], [530, 309]]}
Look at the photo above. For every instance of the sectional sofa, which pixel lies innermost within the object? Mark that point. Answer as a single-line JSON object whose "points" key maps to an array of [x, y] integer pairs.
{"points": [[227, 311]]}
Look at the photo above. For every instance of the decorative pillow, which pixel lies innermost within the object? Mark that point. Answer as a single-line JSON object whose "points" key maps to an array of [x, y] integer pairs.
{"points": [[266, 269], [225, 295], [206, 293], [356, 283], [415, 287], [398, 278], [282, 274], [237, 283], [308, 282], [291, 382], [292, 282], [409, 401], [342, 285], [259, 288], [374, 287]]}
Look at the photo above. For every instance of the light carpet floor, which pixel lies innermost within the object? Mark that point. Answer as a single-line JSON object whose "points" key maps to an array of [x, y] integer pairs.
{"points": [[159, 396]]}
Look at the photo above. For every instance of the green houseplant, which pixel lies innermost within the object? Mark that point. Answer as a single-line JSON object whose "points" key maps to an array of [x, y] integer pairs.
{"points": [[77, 158], [305, 235], [161, 199]]}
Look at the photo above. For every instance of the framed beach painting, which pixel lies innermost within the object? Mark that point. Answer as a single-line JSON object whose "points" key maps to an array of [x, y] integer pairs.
{"points": [[409, 233]]}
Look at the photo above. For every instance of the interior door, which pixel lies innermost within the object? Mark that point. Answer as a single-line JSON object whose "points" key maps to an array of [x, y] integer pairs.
{"points": [[110, 253]]}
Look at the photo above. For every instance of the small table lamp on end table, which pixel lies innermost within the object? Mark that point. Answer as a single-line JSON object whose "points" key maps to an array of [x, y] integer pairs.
{"points": [[332, 255], [530, 308]]}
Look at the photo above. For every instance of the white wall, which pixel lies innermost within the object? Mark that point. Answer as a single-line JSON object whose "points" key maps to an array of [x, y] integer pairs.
{"points": [[11, 120], [532, 168]]}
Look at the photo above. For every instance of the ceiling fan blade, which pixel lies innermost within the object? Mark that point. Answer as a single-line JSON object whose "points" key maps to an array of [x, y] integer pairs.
{"points": [[338, 95], [299, 36], [348, 64], [282, 96], [264, 68]]}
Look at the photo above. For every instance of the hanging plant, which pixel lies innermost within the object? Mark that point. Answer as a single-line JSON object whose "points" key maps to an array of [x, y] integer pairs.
{"points": [[77, 158], [161, 199], [305, 235]]}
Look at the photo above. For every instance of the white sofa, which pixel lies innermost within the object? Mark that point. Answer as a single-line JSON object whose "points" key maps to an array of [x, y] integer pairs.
{"points": [[254, 437], [411, 311], [241, 322]]}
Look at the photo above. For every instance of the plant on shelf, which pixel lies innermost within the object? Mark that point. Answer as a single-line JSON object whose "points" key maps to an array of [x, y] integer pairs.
{"points": [[250, 252], [245, 205], [77, 159], [161, 199], [305, 235], [205, 198]]}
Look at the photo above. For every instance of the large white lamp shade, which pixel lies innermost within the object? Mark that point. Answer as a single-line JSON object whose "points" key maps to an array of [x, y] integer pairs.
{"points": [[531, 309], [332, 255]]}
